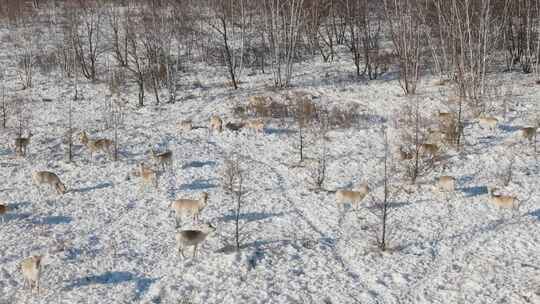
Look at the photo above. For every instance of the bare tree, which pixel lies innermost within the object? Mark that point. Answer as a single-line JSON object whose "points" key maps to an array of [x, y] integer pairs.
{"points": [[137, 64], [318, 170], [118, 117], [363, 18], [115, 110], [520, 33], [384, 205], [414, 136], [230, 24], [26, 56], [405, 31], [304, 113], [4, 105], [283, 23], [233, 183], [86, 21], [156, 38], [319, 34], [118, 23], [70, 132], [467, 35], [23, 115]]}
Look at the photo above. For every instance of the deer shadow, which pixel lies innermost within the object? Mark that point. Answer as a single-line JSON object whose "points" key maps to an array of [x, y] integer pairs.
{"points": [[142, 284], [13, 217], [250, 216], [91, 188], [509, 128], [279, 131], [535, 213], [474, 191], [52, 220], [199, 164], [18, 205], [200, 184]]}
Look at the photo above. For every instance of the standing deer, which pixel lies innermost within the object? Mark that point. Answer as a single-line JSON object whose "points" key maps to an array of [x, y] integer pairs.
{"points": [[192, 207], [96, 145], [529, 133], [163, 159], [216, 124], [21, 145], [148, 176], [447, 183], [502, 201], [488, 122], [3, 210], [31, 271], [354, 197], [185, 238]]}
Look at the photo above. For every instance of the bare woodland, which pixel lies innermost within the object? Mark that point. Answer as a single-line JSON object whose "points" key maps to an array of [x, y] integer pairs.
{"points": [[137, 53]]}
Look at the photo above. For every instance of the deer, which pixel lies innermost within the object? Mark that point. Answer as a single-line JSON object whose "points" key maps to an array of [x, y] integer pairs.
{"points": [[185, 126], [31, 271], [3, 210], [148, 176], [216, 124], [445, 118], [96, 145], [21, 145], [163, 159], [50, 178], [435, 136], [235, 126], [529, 133], [257, 125], [488, 122], [447, 183], [189, 206], [185, 238], [429, 149], [354, 197], [256, 102], [405, 155], [502, 201]]}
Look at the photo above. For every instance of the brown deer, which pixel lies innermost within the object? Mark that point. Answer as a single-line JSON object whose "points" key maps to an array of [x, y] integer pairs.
{"points": [[21, 145]]}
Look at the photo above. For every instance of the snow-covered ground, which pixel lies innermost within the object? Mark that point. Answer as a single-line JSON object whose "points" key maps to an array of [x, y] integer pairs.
{"points": [[107, 242]]}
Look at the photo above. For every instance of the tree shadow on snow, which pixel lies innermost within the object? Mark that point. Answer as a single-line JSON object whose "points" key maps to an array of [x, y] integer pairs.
{"points": [[142, 284]]}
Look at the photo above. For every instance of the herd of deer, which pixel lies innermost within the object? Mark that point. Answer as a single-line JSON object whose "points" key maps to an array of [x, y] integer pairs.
{"points": [[31, 266], [448, 183]]}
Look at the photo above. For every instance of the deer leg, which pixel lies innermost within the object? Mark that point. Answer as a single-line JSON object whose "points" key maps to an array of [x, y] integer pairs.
{"points": [[141, 187], [194, 251], [181, 250]]}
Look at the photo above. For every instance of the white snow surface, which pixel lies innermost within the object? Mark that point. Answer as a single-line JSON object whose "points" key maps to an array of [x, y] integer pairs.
{"points": [[107, 242]]}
